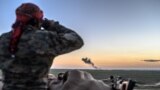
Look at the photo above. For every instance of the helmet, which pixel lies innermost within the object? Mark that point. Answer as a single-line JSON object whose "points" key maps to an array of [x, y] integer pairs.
{"points": [[28, 11]]}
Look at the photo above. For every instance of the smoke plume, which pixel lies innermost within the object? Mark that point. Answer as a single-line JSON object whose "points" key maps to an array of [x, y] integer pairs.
{"points": [[88, 61]]}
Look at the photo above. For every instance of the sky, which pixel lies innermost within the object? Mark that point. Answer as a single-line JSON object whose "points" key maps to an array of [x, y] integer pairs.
{"points": [[118, 34]]}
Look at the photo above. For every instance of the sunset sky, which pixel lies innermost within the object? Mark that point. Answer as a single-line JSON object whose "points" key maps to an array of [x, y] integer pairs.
{"points": [[118, 34]]}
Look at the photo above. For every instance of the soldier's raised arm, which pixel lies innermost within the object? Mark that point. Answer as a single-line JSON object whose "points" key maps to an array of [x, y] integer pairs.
{"points": [[64, 39]]}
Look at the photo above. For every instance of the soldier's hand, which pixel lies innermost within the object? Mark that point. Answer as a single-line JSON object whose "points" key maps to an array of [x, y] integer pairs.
{"points": [[47, 23]]}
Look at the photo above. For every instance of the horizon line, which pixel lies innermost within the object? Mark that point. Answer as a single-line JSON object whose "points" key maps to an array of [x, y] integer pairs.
{"points": [[157, 69]]}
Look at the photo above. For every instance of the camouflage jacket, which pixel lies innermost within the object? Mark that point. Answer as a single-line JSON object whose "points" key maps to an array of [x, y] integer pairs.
{"points": [[36, 51]]}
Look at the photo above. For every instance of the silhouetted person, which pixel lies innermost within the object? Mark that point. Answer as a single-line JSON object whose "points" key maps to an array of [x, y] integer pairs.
{"points": [[27, 52], [113, 87], [111, 78]]}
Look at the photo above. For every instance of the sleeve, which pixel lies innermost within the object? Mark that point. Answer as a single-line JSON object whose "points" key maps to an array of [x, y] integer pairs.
{"points": [[65, 40], [4, 52]]}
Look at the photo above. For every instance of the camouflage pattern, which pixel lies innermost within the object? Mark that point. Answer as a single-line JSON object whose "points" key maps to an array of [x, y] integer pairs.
{"points": [[29, 68]]}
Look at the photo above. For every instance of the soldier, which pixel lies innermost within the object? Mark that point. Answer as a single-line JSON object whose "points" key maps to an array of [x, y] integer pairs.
{"points": [[27, 51]]}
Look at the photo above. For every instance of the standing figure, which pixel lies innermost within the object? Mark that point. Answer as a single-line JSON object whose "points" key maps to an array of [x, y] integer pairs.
{"points": [[27, 51]]}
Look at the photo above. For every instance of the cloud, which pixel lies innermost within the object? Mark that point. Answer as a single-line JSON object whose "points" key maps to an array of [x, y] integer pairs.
{"points": [[151, 60]]}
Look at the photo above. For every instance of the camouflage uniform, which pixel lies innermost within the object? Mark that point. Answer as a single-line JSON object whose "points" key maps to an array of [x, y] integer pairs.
{"points": [[36, 51]]}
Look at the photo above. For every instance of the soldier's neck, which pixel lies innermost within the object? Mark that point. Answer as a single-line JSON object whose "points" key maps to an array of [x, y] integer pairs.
{"points": [[31, 27]]}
